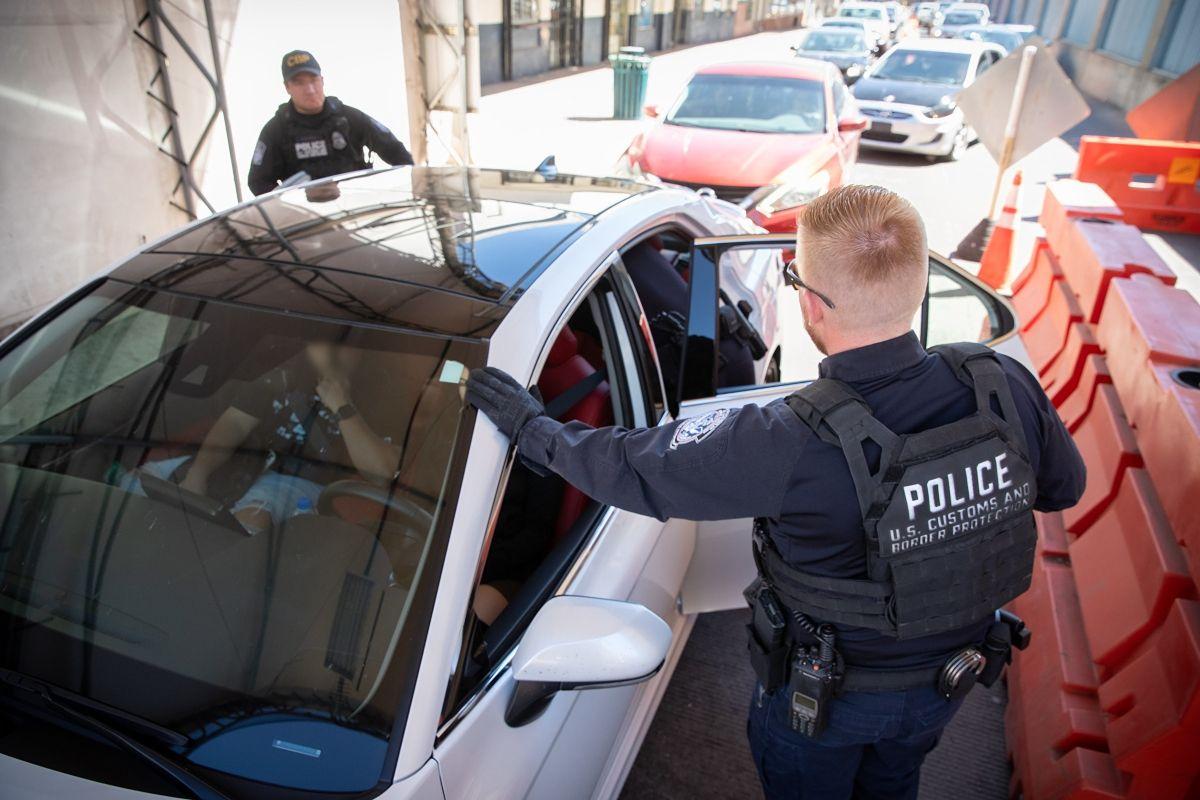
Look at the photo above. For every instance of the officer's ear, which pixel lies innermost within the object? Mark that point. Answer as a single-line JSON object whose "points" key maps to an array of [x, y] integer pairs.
{"points": [[811, 305]]}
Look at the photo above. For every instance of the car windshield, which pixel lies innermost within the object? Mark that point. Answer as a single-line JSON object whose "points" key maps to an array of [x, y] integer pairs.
{"points": [[861, 13], [1007, 39], [751, 103], [963, 17], [839, 23], [829, 41], [221, 519], [924, 66]]}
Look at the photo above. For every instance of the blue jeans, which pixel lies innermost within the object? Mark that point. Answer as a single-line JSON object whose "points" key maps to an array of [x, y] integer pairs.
{"points": [[872, 748]]}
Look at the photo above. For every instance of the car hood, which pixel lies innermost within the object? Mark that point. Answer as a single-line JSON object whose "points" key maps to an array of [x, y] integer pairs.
{"points": [[724, 158], [908, 92]]}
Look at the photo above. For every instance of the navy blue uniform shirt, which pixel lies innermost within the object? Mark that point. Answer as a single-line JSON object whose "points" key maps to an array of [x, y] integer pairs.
{"points": [[764, 462]]}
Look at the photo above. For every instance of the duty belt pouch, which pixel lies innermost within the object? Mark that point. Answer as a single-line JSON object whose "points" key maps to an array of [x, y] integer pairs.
{"points": [[767, 637]]}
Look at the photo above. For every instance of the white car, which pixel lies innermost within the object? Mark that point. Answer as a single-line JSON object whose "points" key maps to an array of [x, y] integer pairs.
{"points": [[874, 14], [960, 15], [909, 95], [460, 629], [871, 34]]}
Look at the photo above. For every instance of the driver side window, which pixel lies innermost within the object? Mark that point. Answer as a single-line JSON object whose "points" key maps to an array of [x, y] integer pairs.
{"points": [[543, 523]]}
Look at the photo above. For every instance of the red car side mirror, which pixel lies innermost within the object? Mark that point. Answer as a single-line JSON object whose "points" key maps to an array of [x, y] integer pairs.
{"points": [[852, 124], [651, 110]]}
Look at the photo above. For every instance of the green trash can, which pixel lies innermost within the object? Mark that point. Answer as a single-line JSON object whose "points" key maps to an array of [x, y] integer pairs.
{"points": [[631, 71]]}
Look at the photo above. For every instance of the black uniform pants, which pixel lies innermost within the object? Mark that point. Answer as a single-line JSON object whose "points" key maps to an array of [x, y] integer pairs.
{"points": [[872, 749]]}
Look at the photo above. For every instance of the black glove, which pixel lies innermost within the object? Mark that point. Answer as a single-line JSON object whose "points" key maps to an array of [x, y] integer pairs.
{"points": [[504, 401]]}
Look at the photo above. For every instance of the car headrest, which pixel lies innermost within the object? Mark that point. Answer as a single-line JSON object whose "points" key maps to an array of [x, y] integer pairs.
{"points": [[564, 348]]}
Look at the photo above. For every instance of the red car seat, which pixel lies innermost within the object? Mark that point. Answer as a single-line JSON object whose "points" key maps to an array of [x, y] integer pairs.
{"points": [[565, 368]]}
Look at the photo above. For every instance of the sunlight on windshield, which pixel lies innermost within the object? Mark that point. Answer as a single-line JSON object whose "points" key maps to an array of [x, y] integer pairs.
{"points": [[924, 67], [833, 42], [751, 103], [231, 509]]}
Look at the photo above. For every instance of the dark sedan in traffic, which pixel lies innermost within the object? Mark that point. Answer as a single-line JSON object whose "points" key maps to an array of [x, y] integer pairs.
{"points": [[846, 49]]}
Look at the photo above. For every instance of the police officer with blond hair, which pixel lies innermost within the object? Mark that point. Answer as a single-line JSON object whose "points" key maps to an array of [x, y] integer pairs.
{"points": [[893, 501], [315, 134]]}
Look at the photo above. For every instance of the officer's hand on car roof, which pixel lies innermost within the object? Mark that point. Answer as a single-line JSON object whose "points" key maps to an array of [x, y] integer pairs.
{"points": [[504, 401]]}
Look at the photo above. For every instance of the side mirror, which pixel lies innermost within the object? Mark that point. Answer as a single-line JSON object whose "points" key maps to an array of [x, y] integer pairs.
{"points": [[651, 110], [852, 124], [583, 643]]}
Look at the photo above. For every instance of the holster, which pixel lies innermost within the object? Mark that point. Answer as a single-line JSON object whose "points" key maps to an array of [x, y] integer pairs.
{"points": [[767, 638]]}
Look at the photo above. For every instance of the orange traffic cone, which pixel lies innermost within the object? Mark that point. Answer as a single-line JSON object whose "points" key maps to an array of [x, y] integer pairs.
{"points": [[994, 266]]}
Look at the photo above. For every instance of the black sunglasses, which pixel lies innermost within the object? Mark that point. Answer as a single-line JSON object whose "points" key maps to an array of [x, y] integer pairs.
{"points": [[792, 278]]}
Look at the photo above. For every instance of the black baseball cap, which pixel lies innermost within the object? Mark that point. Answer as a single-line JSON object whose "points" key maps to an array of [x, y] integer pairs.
{"points": [[298, 61]]}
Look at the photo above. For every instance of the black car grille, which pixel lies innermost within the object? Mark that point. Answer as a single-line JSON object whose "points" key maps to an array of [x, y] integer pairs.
{"points": [[880, 136], [734, 194]]}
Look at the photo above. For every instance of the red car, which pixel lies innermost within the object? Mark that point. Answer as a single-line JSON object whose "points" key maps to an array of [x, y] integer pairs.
{"points": [[768, 136]]}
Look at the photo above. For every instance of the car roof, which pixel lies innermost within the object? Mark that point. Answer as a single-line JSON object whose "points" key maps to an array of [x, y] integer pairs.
{"points": [[944, 45], [438, 249], [802, 68]]}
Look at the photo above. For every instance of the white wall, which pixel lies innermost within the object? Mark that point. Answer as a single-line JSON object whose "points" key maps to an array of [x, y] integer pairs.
{"points": [[357, 43], [81, 179]]}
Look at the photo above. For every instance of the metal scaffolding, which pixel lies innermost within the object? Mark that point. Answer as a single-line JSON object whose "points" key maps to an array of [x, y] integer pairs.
{"points": [[155, 21]]}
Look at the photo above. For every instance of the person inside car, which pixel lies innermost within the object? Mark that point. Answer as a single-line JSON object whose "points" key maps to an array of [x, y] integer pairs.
{"points": [[302, 416]]}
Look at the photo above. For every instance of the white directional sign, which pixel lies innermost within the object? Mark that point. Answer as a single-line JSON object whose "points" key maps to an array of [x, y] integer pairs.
{"points": [[1052, 105]]}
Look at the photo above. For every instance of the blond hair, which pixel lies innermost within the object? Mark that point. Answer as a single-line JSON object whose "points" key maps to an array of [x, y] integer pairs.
{"points": [[864, 247]]}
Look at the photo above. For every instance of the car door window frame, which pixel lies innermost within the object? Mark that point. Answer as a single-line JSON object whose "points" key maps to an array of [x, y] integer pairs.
{"points": [[456, 706]]}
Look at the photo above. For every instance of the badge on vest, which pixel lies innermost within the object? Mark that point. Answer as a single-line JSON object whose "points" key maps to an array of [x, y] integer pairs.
{"points": [[699, 429], [314, 148], [339, 141], [949, 498]]}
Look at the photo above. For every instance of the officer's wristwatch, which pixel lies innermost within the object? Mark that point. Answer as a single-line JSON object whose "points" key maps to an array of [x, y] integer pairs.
{"points": [[346, 412]]}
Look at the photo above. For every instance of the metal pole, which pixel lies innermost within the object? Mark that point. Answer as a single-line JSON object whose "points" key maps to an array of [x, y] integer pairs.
{"points": [[414, 80], [1014, 118], [185, 175], [219, 88]]}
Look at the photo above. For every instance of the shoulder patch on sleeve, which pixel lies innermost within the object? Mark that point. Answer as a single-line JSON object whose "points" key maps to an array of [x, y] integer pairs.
{"points": [[699, 429], [260, 150]]}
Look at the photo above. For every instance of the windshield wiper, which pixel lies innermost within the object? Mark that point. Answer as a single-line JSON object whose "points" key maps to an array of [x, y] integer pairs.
{"points": [[67, 710]]}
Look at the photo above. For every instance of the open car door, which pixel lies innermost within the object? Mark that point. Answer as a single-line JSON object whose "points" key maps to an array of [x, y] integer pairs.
{"points": [[957, 307]]}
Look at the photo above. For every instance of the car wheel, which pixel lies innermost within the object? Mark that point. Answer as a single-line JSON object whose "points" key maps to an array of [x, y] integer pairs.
{"points": [[962, 139], [773, 372]]}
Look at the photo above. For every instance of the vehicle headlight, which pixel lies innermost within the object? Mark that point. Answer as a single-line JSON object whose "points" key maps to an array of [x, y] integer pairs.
{"points": [[790, 195], [854, 69], [944, 108]]}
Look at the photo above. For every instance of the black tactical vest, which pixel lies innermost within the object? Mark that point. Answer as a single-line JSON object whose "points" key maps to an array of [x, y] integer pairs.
{"points": [[324, 149], [948, 513]]}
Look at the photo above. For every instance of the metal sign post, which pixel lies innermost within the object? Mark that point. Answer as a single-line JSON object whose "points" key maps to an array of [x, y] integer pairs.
{"points": [[1014, 118]]}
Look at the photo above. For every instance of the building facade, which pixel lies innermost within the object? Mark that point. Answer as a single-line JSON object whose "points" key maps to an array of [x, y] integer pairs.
{"points": [[1120, 51], [520, 38]]}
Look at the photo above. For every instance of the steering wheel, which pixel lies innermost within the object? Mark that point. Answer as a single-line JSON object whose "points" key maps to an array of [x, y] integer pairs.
{"points": [[417, 521]]}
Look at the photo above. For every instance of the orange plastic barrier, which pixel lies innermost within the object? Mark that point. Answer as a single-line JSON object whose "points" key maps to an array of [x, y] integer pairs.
{"points": [[1031, 289], [1046, 337], [1066, 200], [1077, 404], [1108, 447], [1128, 570], [1153, 703], [1169, 438], [1063, 376], [1052, 535], [1151, 333], [1093, 252], [1153, 181], [1054, 720]]}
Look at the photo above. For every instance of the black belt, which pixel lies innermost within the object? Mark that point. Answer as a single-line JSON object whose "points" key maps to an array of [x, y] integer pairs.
{"points": [[865, 679]]}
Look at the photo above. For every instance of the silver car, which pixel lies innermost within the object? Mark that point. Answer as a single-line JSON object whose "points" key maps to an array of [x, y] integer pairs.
{"points": [[909, 95]]}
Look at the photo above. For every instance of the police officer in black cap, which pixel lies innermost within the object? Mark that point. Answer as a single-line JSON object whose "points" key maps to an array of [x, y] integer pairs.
{"points": [[893, 498], [316, 134]]}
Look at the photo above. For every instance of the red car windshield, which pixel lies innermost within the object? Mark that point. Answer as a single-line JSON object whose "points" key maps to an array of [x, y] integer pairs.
{"points": [[751, 103]]}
